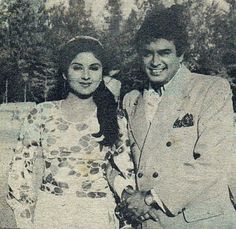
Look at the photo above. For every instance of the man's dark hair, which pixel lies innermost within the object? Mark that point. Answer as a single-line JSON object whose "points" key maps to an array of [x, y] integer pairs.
{"points": [[229, 57], [169, 24]]}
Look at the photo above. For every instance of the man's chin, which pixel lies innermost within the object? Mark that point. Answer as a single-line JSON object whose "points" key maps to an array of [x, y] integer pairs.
{"points": [[157, 79]]}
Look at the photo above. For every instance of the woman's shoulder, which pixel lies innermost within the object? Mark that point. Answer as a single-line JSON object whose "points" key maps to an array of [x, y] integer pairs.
{"points": [[47, 106], [44, 109]]}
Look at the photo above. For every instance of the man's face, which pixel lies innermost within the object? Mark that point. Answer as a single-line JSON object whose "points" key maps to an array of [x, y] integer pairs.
{"points": [[160, 61]]}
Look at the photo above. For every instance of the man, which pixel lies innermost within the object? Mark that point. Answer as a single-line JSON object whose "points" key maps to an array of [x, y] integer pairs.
{"points": [[229, 62], [180, 128]]}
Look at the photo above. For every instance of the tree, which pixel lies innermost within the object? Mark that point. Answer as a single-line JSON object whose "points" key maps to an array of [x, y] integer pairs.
{"points": [[66, 23], [210, 33], [25, 44], [31, 36]]}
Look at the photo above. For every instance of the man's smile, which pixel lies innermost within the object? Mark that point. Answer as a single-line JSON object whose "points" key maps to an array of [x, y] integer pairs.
{"points": [[156, 71]]}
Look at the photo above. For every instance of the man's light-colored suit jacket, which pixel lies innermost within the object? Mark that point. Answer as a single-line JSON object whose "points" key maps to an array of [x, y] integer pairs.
{"points": [[185, 154]]}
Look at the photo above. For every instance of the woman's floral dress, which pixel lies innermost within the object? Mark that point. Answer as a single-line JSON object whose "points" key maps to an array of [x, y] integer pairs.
{"points": [[57, 177]]}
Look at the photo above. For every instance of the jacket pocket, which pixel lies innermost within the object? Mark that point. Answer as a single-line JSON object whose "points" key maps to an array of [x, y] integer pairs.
{"points": [[202, 211]]}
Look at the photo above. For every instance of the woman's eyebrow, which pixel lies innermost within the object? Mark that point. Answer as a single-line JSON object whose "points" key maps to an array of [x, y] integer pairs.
{"points": [[95, 64], [75, 63]]}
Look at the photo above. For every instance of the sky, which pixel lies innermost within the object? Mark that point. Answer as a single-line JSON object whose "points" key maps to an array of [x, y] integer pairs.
{"points": [[127, 5], [99, 13]]}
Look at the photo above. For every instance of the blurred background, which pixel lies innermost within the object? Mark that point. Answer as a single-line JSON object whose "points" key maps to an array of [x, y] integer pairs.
{"points": [[32, 30]]}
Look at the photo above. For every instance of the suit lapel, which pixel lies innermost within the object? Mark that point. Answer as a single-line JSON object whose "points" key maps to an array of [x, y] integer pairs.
{"points": [[173, 98], [168, 109], [138, 124]]}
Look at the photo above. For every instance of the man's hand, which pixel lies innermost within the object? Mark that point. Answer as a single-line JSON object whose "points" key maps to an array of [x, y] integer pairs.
{"points": [[127, 192], [152, 214], [134, 207]]}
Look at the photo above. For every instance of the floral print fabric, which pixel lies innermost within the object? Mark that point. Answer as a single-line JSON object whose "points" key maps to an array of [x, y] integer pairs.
{"points": [[62, 159]]}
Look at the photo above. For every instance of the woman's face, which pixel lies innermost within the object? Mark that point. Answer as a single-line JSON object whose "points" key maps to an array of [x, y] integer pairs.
{"points": [[85, 73]]}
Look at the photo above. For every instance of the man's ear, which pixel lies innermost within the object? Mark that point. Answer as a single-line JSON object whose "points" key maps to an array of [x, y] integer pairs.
{"points": [[64, 76]]}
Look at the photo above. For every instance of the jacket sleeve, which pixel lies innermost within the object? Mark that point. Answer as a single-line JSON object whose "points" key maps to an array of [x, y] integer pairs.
{"points": [[121, 172], [214, 147], [24, 178]]}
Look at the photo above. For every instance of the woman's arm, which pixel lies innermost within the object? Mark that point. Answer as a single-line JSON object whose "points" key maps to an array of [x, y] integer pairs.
{"points": [[24, 176], [120, 172]]}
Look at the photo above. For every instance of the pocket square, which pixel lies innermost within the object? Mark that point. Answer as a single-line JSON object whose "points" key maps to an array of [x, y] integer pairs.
{"points": [[186, 121]]}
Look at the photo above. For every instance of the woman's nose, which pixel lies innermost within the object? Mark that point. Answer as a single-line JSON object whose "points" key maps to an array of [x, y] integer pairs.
{"points": [[86, 75]]}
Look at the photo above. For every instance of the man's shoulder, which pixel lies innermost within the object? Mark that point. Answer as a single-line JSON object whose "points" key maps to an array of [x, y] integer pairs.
{"points": [[209, 81], [208, 78]]}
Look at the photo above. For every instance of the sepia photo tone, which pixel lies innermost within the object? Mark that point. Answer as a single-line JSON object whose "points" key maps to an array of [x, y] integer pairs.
{"points": [[117, 114]]}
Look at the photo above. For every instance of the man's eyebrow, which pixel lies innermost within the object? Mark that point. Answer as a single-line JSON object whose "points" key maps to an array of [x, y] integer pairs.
{"points": [[164, 50], [146, 50], [158, 50]]}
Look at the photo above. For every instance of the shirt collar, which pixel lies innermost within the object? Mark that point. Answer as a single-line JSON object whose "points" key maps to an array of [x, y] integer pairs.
{"points": [[161, 90]]}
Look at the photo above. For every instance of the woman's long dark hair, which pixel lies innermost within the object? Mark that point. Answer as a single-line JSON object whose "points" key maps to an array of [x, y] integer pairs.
{"points": [[106, 114], [102, 97]]}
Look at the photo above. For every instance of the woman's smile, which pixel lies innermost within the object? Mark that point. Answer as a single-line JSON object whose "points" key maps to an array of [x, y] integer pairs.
{"points": [[85, 84], [85, 73]]}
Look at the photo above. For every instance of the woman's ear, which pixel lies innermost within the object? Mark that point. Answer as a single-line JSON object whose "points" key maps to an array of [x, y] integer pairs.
{"points": [[181, 58], [113, 72], [113, 85], [64, 76]]}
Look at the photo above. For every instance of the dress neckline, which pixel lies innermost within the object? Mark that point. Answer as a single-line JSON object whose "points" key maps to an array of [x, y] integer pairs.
{"points": [[71, 122]]}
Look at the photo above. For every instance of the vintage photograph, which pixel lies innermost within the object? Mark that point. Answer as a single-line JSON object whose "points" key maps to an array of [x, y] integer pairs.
{"points": [[118, 114]]}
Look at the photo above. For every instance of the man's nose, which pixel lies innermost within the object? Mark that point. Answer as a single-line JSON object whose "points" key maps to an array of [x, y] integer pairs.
{"points": [[155, 60]]}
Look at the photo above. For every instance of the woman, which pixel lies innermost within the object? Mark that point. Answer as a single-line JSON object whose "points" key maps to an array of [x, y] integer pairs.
{"points": [[57, 177]]}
